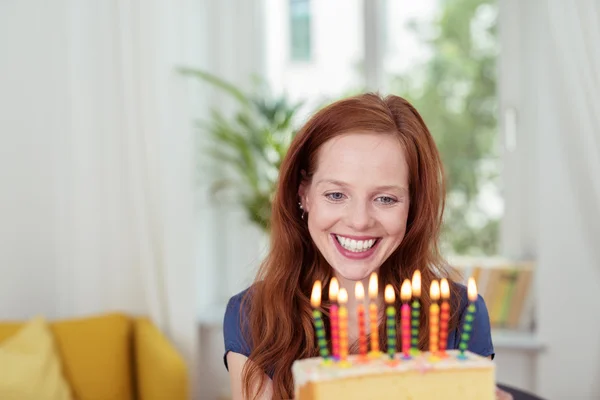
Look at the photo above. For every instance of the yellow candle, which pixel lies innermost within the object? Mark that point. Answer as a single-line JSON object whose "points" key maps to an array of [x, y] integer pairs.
{"points": [[359, 292]]}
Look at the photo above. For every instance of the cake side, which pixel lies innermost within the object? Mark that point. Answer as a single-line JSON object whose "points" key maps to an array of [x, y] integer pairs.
{"points": [[416, 379]]}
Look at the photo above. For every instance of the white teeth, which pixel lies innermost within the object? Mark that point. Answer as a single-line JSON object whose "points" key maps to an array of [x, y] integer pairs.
{"points": [[355, 245]]}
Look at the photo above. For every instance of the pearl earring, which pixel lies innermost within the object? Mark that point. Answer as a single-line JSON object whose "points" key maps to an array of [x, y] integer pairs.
{"points": [[302, 208]]}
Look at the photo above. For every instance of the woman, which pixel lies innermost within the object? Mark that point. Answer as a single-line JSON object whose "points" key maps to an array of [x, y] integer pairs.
{"points": [[361, 190]]}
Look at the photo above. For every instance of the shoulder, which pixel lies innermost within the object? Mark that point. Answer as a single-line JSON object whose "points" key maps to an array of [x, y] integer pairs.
{"points": [[234, 325], [480, 341]]}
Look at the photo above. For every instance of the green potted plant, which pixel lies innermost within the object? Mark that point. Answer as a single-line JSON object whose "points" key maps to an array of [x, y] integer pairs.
{"points": [[249, 145]]}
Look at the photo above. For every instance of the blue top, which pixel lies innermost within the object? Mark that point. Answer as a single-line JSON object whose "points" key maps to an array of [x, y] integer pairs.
{"points": [[480, 341]]}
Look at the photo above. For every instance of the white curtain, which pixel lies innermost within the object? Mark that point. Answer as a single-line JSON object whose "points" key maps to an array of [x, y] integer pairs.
{"points": [[575, 37], [125, 197]]}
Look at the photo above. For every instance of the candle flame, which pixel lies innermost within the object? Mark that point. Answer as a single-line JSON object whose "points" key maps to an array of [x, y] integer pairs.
{"points": [[315, 297], [445, 289], [343, 296], [334, 288], [416, 283], [359, 291], [472, 289], [405, 291], [373, 287], [389, 294], [434, 290]]}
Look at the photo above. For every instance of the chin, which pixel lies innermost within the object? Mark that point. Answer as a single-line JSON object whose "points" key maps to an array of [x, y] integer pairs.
{"points": [[357, 274]]}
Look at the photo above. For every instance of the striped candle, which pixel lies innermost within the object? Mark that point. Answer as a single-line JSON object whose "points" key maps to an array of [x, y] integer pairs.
{"points": [[445, 317], [405, 294], [315, 301], [343, 316], [359, 292], [468, 327], [434, 319], [390, 312], [334, 288], [416, 312], [373, 292]]}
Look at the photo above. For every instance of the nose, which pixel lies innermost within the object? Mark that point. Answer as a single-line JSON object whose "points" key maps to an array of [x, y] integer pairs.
{"points": [[358, 216]]}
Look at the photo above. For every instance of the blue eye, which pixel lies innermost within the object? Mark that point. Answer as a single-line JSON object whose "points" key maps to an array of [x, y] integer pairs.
{"points": [[386, 200], [335, 196]]}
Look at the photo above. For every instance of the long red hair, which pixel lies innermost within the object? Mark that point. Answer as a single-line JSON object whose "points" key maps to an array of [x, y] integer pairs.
{"points": [[279, 323]]}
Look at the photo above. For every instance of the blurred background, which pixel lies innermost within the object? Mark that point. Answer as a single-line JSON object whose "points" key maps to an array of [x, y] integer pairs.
{"points": [[140, 142]]}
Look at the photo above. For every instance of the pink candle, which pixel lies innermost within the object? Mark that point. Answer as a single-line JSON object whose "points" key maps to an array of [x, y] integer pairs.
{"points": [[405, 294], [444, 317], [334, 288]]}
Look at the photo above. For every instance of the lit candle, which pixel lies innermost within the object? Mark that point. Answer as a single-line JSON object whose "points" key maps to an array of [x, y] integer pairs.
{"points": [[468, 327], [416, 311], [315, 301], [359, 292], [334, 288], [405, 294], [445, 317], [390, 312], [434, 318], [343, 316], [373, 291]]}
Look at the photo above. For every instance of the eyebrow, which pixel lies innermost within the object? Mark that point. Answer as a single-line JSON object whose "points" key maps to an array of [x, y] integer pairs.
{"points": [[401, 189]]}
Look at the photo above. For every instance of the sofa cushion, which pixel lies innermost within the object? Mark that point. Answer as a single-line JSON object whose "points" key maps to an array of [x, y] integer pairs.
{"points": [[97, 356], [30, 366]]}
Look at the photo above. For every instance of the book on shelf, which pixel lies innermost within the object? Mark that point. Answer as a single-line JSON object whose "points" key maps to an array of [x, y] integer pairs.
{"points": [[507, 288]]}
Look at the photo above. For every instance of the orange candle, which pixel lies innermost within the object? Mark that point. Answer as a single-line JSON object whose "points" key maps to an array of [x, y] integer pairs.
{"points": [[405, 294], [434, 318], [359, 292], [343, 316], [373, 291], [334, 288], [445, 317]]}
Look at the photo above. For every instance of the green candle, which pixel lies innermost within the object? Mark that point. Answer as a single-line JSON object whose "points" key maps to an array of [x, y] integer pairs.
{"points": [[416, 312], [390, 312], [469, 318], [315, 301]]}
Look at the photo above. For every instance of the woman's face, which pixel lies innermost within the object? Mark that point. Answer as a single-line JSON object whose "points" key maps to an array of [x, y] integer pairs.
{"points": [[357, 202]]}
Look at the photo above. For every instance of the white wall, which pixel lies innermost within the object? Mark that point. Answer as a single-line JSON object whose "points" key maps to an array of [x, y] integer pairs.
{"points": [[543, 218], [33, 104]]}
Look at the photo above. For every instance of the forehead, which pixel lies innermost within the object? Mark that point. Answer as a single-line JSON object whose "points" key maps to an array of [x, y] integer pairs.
{"points": [[374, 156]]}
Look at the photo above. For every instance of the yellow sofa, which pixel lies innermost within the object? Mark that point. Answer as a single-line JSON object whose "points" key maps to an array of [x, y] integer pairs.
{"points": [[115, 357]]}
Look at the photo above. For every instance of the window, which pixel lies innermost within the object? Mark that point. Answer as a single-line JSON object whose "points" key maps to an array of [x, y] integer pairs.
{"points": [[441, 56], [300, 30]]}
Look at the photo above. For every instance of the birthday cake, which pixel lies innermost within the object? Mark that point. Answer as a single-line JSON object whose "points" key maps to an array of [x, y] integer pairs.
{"points": [[410, 375], [419, 378]]}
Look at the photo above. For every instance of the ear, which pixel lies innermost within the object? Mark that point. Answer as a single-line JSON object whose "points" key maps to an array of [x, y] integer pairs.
{"points": [[303, 191]]}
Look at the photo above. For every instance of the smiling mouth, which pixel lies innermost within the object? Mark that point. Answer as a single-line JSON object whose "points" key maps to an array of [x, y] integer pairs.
{"points": [[356, 246]]}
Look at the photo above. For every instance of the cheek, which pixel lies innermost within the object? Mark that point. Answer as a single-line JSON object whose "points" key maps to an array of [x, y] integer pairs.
{"points": [[396, 224], [322, 217]]}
